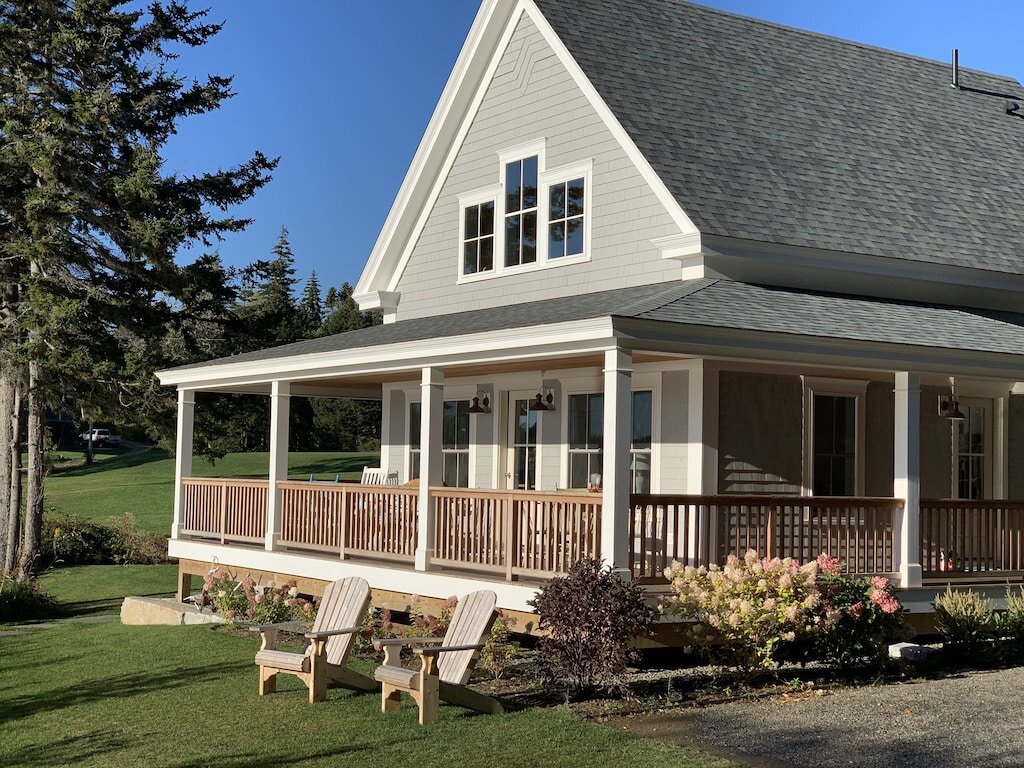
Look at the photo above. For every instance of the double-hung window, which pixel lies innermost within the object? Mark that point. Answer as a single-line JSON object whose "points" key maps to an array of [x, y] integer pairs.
{"points": [[521, 211], [586, 441], [478, 238], [566, 218], [414, 440], [455, 444]]}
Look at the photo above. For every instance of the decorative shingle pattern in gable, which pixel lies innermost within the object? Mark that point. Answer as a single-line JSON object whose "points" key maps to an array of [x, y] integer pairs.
{"points": [[768, 133]]}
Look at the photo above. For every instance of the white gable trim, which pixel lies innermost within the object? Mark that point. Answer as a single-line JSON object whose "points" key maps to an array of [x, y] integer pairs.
{"points": [[488, 40]]}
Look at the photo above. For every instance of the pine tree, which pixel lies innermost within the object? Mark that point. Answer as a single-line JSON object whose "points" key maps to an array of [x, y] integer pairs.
{"points": [[92, 221], [311, 310], [268, 314]]}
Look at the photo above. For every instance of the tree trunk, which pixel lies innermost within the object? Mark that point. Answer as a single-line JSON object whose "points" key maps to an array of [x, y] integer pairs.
{"points": [[6, 410], [36, 444], [88, 442], [13, 457]]}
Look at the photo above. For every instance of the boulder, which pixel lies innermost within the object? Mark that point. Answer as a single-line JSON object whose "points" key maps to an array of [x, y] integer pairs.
{"points": [[166, 611]]}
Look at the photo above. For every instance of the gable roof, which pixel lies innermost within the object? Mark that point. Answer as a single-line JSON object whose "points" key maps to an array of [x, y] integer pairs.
{"points": [[703, 302], [769, 133]]}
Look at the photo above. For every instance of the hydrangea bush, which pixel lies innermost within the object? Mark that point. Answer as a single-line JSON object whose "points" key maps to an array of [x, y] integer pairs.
{"points": [[245, 600], [757, 611], [749, 607]]}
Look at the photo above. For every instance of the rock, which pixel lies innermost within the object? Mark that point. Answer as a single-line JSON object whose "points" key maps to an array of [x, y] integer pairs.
{"points": [[152, 610], [911, 652]]}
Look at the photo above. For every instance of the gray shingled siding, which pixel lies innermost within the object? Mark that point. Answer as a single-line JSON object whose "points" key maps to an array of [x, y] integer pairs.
{"points": [[532, 96], [880, 425], [936, 447], [760, 434], [775, 134]]}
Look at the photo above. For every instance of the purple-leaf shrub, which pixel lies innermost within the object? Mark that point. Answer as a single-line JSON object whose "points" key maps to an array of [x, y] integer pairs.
{"points": [[590, 616]]}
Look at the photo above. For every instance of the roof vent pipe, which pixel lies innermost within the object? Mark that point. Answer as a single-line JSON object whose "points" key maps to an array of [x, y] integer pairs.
{"points": [[956, 68]]}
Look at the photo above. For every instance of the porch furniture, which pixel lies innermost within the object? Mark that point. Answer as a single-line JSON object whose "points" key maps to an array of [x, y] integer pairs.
{"points": [[378, 476], [342, 608], [337, 479], [443, 679]]}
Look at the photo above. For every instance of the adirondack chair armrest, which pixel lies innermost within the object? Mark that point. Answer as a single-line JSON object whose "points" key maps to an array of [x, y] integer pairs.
{"points": [[445, 648], [384, 642], [324, 634], [293, 627]]}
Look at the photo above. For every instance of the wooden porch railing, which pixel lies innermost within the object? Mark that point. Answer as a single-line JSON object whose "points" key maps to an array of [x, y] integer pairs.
{"points": [[514, 533], [700, 530], [229, 510], [970, 538], [350, 520]]}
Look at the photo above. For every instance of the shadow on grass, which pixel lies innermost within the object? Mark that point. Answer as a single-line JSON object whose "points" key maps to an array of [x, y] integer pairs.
{"points": [[101, 605], [247, 760], [69, 750], [114, 687], [124, 461], [334, 465]]}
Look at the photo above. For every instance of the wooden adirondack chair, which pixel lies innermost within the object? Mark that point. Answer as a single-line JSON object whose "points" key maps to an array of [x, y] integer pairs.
{"points": [[443, 679], [338, 619]]}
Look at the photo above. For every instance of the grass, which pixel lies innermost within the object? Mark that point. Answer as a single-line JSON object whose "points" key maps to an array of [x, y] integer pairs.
{"points": [[102, 694], [93, 589], [142, 482]]}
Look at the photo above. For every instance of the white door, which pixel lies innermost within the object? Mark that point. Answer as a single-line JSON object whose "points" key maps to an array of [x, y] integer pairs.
{"points": [[972, 450], [522, 442]]}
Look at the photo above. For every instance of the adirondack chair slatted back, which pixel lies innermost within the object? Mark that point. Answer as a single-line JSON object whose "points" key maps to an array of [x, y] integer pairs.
{"points": [[343, 605], [471, 624]]}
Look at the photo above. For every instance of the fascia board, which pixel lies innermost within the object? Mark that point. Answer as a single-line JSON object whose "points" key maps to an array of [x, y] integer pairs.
{"points": [[509, 343]]}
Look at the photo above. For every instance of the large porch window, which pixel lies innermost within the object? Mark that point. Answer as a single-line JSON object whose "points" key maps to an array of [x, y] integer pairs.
{"points": [[586, 439], [414, 440], [972, 440], [835, 445], [455, 444]]}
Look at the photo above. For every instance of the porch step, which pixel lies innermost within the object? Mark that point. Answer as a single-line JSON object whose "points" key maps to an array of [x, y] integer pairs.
{"points": [[166, 611]]}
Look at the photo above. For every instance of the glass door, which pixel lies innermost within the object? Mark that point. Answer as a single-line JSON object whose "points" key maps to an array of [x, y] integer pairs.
{"points": [[522, 432], [972, 450]]}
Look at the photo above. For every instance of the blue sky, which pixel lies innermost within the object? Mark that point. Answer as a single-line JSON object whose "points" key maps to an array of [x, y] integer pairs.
{"points": [[343, 89]]}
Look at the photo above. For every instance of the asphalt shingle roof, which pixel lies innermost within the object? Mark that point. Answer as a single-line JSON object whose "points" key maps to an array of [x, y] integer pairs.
{"points": [[704, 302], [774, 134]]}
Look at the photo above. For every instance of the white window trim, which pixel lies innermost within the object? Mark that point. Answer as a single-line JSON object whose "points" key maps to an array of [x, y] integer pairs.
{"points": [[508, 449], [413, 396], [839, 388], [545, 178], [642, 382]]}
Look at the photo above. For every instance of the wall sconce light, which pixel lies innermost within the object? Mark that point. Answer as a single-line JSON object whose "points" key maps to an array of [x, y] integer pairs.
{"points": [[545, 400], [949, 406], [481, 402]]}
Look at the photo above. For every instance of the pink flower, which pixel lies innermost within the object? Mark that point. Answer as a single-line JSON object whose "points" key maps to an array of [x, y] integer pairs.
{"points": [[857, 610], [792, 612], [714, 621], [829, 565], [880, 582]]}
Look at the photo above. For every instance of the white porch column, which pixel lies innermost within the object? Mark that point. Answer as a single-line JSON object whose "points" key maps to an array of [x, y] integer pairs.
{"points": [[431, 417], [907, 476], [618, 436], [183, 452], [280, 405]]}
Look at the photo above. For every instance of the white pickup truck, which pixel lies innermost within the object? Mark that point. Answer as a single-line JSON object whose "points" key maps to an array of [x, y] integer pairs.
{"points": [[100, 438]]}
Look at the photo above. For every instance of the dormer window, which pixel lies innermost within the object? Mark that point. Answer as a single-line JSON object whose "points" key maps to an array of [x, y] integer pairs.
{"points": [[521, 212]]}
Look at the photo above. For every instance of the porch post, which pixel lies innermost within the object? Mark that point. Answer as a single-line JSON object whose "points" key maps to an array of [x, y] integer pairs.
{"points": [[280, 405], [907, 476], [183, 452], [618, 435], [431, 471]]}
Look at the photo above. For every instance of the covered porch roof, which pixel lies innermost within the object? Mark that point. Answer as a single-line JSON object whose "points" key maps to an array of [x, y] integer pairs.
{"points": [[703, 317]]}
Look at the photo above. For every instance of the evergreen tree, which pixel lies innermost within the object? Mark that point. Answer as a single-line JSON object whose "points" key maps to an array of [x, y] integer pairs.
{"points": [[267, 314], [91, 219], [311, 310], [344, 314]]}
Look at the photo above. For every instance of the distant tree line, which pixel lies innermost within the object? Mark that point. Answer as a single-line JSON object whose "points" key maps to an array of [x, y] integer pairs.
{"points": [[266, 311]]}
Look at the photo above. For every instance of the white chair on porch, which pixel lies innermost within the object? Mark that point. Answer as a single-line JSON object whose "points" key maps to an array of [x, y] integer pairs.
{"points": [[378, 476]]}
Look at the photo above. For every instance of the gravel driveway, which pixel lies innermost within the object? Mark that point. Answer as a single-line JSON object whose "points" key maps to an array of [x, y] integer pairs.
{"points": [[976, 719]]}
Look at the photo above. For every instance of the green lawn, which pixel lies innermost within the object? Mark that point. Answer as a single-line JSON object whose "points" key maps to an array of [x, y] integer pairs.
{"points": [[101, 694], [142, 483]]}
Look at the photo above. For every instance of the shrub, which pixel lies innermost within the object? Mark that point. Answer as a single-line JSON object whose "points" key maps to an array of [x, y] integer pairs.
{"points": [[423, 624], [751, 608], [135, 547], [591, 615], [1010, 623], [500, 650], [857, 618], [73, 541], [376, 624], [24, 599], [246, 600], [964, 619]]}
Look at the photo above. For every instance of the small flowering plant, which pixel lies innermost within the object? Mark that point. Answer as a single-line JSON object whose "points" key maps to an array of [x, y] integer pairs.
{"points": [[859, 618], [245, 600], [751, 607]]}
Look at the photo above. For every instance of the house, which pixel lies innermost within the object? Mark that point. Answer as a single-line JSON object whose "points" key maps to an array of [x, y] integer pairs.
{"points": [[664, 282]]}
